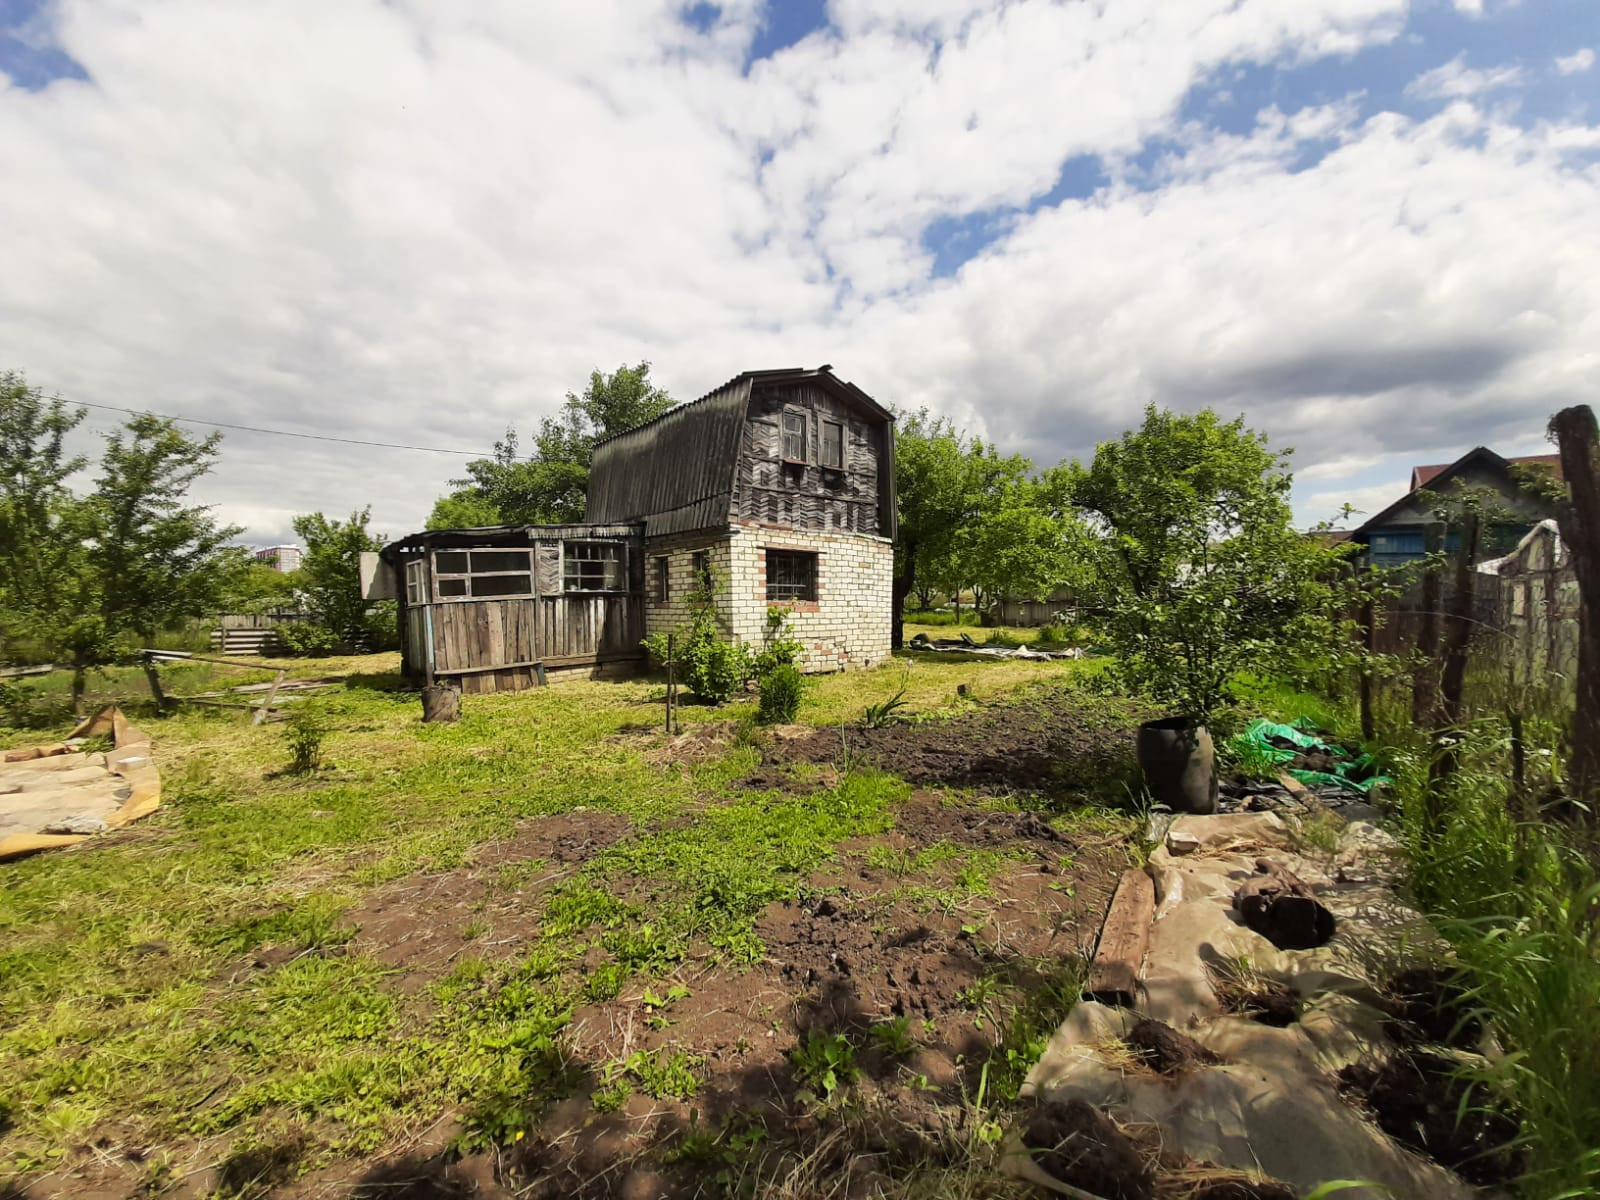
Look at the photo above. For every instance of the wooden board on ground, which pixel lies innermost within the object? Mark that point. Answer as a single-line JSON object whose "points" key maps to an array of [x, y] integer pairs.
{"points": [[1124, 938]]}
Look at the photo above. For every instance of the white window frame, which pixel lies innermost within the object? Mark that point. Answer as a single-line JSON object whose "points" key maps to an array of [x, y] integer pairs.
{"points": [[618, 578], [827, 425], [791, 414], [416, 583]]}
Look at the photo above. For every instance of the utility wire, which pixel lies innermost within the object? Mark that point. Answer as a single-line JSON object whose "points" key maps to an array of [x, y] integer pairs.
{"points": [[315, 437]]}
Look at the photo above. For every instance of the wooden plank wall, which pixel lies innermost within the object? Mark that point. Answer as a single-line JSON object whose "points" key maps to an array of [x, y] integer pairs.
{"points": [[808, 497]]}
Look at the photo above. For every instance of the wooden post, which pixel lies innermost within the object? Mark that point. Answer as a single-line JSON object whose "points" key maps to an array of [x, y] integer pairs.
{"points": [[1579, 520], [1458, 624], [670, 641], [1369, 642], [440, 703], [1425, 680], [266, 702], [154, 677]]}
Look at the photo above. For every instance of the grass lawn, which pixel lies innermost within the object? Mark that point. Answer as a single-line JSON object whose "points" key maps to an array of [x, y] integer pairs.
{"points": [[548, 925]]}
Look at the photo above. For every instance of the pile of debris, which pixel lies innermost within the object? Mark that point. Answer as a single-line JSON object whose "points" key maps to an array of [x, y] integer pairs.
{"points": [[965, 644]]}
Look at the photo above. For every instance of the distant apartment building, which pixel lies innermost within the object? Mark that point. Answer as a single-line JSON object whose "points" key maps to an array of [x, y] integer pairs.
{"points": [[280, 558]]}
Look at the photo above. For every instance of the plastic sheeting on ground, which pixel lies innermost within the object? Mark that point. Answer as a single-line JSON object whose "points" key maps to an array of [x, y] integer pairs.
{"points": [[1265, 738], [57, 795], [1272, 1105]]}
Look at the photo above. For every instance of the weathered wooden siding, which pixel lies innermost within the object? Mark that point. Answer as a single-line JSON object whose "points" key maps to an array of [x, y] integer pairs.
{"points": [[577, 627], [810, 496]]}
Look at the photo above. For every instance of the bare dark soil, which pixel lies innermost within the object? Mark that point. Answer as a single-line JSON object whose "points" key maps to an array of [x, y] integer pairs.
{"points": [[1264, 1000], [1077, 1144], [1166, 1051], [1417, 1100], [1229, 1188], [1057, 744], [1431, 1005]]}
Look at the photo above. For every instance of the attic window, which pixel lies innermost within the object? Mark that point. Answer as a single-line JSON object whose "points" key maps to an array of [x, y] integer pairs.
{"points": [[594, 567], [794, 437], [833, 445]]}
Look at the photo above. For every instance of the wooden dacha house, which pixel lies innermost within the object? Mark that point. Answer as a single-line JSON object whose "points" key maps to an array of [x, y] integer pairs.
{"points": [[779, 485]]}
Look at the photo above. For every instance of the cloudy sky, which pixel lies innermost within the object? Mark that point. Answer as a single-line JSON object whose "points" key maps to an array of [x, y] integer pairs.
{"points": [[1371, 226]]}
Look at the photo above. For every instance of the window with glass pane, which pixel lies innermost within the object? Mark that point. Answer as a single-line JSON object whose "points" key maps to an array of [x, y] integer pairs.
{"points": [[700, 568], [794, 436], [450, 562], [594, 567], [416, 582], [491, 562], [662, 587], [502, 585], [833, 445], [791, 575]]}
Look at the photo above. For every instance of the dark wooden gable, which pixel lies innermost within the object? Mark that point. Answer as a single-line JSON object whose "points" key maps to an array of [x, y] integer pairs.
{"points": [[775, 487]]}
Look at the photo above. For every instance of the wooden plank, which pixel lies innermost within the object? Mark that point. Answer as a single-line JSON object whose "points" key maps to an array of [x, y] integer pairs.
{"points": [[266, 701], [487, 668], [1124, 938], [20, 672], [185, 656]]}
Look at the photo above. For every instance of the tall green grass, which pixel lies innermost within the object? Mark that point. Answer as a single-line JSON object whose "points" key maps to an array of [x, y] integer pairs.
{"points": [[1519, 900]]}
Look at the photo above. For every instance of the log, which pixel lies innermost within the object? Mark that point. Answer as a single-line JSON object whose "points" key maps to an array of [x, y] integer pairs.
{"points": [[1277, 904], [440, 703], [1124, 938]]}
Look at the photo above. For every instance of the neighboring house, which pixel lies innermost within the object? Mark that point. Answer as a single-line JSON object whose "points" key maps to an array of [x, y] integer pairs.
{"points": [[280, 558], [1397, 535], [779, 483]]}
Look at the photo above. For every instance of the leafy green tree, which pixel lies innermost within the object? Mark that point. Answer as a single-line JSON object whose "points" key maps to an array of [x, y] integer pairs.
{"points": [[38, 515], [946, 483], [330, 569], [258, 588], [548, 487], [89, 577], [1016, 546], [1197, 573]]}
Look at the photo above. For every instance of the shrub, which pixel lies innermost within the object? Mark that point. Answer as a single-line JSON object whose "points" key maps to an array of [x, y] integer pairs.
{"points": [[306, 639], [779, 646], [711, 666], [305, 733], [780, 695]]}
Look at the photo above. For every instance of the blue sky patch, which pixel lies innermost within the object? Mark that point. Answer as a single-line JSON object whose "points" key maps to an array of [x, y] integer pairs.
{"points": [[27, 55]]}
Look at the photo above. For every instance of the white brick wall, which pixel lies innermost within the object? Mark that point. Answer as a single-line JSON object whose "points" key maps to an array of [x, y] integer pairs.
{"points": [[847, 627]]}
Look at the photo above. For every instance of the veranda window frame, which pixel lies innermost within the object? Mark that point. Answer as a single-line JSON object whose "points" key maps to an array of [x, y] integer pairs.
{"points": [[803, 433], [611, 581], [838, 427], [465, 578]]}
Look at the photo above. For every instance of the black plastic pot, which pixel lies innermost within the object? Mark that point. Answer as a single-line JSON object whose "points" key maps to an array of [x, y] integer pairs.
{"points": [[1179, 764]]}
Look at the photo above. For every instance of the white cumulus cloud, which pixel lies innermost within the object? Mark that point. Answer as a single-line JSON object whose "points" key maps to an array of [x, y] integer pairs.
{"points": [[419, 223], [1573, 64]]}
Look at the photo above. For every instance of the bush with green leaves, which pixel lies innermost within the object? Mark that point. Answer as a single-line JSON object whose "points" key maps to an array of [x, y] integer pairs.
{"points": [[781, 688], [305, 733], [306, 639], [779, 646], [710, 665]]}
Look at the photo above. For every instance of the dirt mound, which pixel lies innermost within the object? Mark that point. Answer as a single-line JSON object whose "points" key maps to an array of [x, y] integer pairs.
{"points": [[1077, 1144], [1417, 1099], [1056, 743], [1166, 1051], [1263, 1000], [1431, 1005]]}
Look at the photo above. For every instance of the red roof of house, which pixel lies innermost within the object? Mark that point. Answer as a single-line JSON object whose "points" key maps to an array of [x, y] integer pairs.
{"points": [[1423, 476]]}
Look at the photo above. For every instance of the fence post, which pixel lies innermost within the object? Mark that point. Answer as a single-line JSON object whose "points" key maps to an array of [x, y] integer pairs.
{"points": [[1579, 520], [1425, 679]]}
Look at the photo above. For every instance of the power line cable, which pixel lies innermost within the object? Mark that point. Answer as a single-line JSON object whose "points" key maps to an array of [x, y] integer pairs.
{"points": [[315, 437]]}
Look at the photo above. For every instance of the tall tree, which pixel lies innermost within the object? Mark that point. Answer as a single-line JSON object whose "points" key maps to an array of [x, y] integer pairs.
{"points": [[330, 569], [1197, 572], [1016, 547], [548, 487], [36, 506], [945, 482]]}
